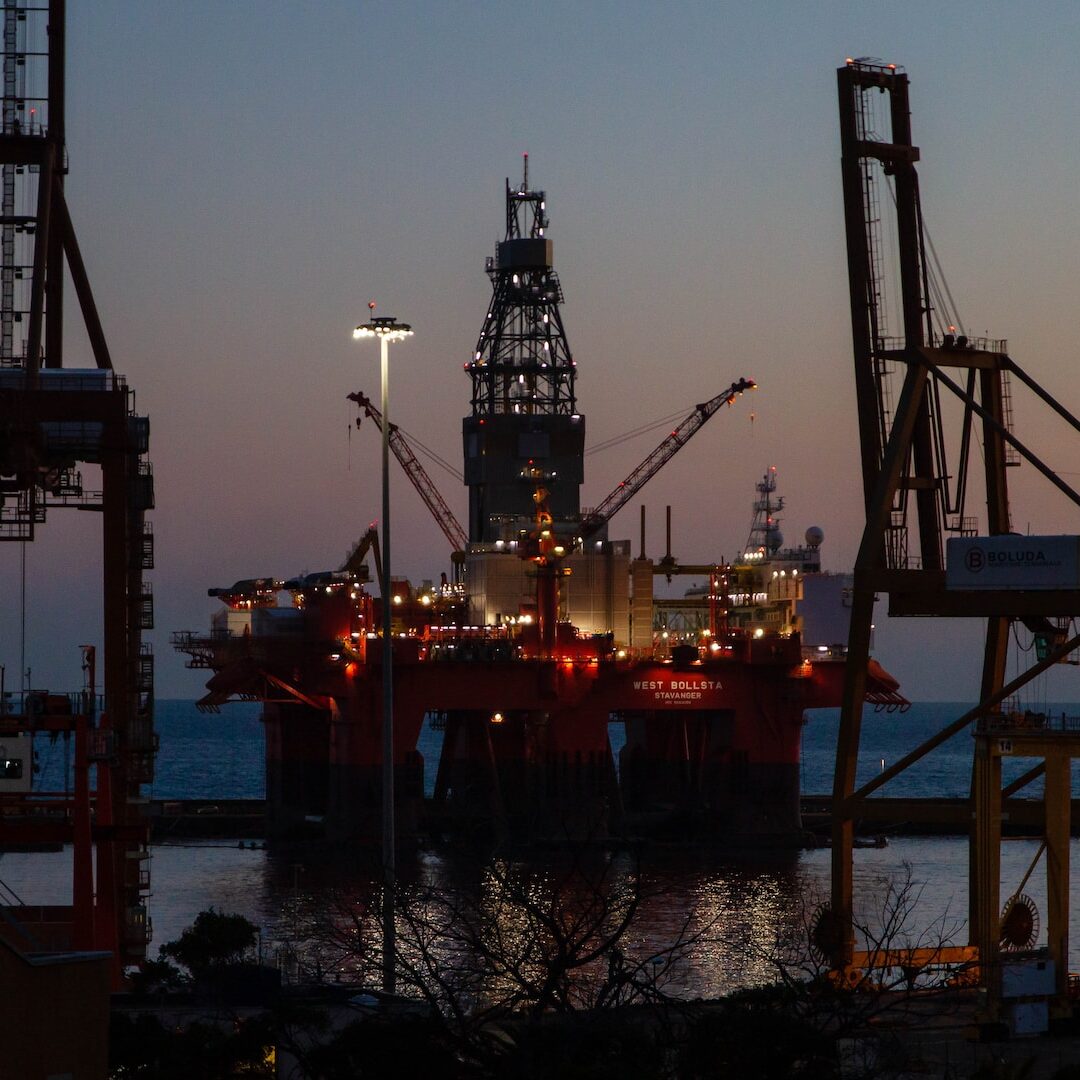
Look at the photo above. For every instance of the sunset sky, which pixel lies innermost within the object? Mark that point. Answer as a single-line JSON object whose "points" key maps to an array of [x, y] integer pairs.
{"points": [[246, 176]]}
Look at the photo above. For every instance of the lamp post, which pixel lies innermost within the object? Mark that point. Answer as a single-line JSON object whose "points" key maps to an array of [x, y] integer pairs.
{"points": [[387, 330]]}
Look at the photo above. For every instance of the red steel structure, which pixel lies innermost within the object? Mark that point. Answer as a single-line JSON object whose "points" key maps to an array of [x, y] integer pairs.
{"points": [[52, 419], [545, 640]]}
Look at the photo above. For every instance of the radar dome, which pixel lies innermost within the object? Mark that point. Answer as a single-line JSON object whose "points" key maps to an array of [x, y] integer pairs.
{"points": [[776, 539], [814, 536]]}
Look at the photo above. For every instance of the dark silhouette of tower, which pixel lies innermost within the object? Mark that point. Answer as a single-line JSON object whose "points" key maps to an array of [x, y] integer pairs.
{"points": [[524, 430]]}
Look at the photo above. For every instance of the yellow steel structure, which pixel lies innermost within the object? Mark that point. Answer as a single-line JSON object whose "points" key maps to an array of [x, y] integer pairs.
{"points": [[929, 365]]}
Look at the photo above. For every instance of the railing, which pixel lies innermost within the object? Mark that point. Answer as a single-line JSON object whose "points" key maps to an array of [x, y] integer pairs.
{"points": [[958, 342], [59, 380], [35, 703], [1029, 720]]}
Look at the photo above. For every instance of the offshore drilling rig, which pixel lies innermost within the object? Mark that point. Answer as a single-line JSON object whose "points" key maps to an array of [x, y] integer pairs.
{"points": [[52, 420], [925, 390], [548, 633]]}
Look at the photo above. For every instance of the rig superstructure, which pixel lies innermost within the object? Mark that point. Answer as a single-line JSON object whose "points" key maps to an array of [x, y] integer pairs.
{"points": [[549, 633]]}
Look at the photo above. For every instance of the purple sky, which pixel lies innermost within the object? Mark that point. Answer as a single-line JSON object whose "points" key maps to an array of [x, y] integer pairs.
{"points": [[245, 176]]}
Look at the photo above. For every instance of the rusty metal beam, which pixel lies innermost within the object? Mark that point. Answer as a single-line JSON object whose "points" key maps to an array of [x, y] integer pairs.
{"points": [[41, 247], [1022, 781], [1048, 399], [859, 276], [871, 550], [23, 150], [985, 861], [82, 286], [869, 959]]}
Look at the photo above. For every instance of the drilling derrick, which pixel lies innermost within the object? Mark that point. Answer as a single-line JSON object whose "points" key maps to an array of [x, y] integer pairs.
{"points": [[524, 428], [53, 419], [925, 391]]}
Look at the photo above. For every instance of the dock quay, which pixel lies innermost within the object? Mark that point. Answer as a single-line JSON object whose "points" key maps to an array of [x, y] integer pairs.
{"points": [[929, 817], [244, 818], [207, 818]]}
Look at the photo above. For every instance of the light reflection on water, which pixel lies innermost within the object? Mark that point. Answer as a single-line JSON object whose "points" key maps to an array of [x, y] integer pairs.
{"points": [[749, 904]]}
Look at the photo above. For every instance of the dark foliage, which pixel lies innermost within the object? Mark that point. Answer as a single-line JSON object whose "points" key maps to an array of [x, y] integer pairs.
{"points": [[380, 1049], [596, 1045], [212, 941], [141, 1046], [756, 1033]]}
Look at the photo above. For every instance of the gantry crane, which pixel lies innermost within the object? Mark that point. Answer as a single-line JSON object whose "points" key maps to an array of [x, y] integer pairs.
{"points": [[51, 419], [903, 452]]}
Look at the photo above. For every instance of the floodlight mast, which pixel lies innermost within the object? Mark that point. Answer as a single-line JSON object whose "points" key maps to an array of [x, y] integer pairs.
{"points": [[387, 330]]}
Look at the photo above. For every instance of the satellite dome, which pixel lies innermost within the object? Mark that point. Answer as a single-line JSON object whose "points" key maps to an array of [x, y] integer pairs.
{"points": [[776, 539], [814, 536]]}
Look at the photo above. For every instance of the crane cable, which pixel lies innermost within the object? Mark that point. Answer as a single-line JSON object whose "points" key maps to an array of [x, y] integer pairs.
{"points": [[644, 429], [599, 447], [428, 452]]}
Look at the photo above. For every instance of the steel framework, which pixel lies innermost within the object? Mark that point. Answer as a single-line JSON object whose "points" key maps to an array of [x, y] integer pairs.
{"points": [[522, 362], [908, 480], [52, 419]]}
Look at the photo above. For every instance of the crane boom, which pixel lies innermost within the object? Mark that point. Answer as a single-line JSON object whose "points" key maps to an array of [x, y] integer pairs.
{"points": [[628, 488], [443, 515]]}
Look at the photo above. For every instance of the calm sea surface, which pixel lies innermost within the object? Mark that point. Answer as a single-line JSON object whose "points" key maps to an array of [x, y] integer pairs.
{"points": [[749, 901]]}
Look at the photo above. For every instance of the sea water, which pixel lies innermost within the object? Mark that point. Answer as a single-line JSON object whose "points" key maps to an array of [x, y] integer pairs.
{"points": [[748, 902]]}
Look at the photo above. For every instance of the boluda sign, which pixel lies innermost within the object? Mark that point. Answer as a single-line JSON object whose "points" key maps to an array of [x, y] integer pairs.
{"points": [[1013, 562]]}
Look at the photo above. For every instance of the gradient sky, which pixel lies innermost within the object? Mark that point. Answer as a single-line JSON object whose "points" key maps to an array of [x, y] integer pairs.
{"points": [[245, 176]]}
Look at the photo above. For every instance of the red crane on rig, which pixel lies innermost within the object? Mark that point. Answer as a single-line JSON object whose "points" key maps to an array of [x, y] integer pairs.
{"points": [[443, 515], [598, 517], [595, 519]]}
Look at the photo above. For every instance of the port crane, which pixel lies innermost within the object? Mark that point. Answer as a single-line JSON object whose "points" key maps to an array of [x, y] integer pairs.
{"points": [[592, 521], [905, 375], [54, 417]]}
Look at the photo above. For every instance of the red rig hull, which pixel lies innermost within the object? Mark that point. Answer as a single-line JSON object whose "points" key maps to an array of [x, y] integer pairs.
{"points": [[712, 745], [712, 733]]}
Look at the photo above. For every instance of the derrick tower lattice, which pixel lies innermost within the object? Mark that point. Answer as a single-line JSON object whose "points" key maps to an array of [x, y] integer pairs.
{"points": [[522, 363], [524, 429]]}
